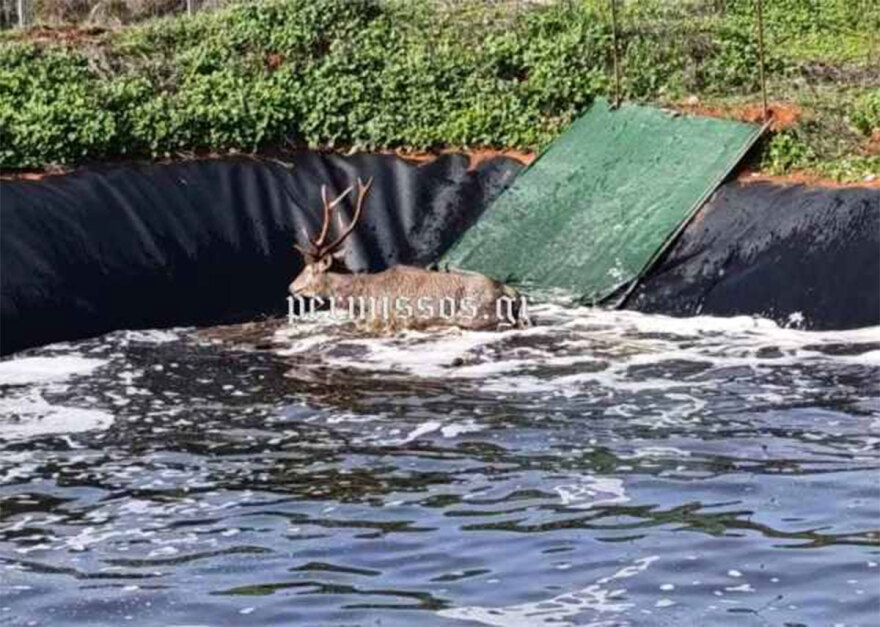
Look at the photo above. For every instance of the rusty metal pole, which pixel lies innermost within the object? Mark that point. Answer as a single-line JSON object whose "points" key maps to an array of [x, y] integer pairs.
{"points": [[759, 9], [616, 53]]}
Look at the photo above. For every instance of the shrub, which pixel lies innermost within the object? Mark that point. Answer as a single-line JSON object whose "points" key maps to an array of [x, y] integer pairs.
{"points": [[351, 73], [786, 151], [866, 113], [50, 109]]}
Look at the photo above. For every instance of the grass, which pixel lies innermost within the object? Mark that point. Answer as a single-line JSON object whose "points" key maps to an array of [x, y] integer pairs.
{"points": [[365, 75], [831, 73]]}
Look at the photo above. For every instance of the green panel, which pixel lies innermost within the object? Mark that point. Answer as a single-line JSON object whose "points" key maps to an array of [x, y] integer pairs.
{"points": [[597, 207]]}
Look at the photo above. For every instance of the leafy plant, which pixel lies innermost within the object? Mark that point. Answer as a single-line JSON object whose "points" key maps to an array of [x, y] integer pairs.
{"points": [[368, 75], [866, 113]]}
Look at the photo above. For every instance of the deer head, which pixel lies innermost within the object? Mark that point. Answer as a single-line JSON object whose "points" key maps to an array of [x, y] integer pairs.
{"points": [[318, 254]]}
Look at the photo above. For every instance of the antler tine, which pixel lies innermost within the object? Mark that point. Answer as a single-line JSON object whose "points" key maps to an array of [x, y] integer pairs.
{"points": [[362, 193], [305, 252], [339, 198], [328, 207], [325, 226]]}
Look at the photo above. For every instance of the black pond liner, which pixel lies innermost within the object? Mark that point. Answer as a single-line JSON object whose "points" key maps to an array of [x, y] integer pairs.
{"points": [[804, 256], [207, 242]]}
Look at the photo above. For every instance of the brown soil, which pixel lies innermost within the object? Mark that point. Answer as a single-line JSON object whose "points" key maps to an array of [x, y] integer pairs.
{"points": [[803, 178], [274, 60], [782, 114], [27, 176], [61, 34], [476, 156], [872, 147]]}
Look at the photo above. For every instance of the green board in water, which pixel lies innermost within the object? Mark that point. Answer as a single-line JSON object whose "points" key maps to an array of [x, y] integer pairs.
{"points": [[594, 211]]}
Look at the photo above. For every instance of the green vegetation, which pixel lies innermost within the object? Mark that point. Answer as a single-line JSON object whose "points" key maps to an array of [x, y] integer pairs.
{"points": [[866, 113], [360, 74], [834, 137]]}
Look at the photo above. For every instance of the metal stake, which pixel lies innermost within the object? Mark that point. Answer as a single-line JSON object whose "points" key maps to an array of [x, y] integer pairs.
{"points": [[616, 53], [760, 15]]}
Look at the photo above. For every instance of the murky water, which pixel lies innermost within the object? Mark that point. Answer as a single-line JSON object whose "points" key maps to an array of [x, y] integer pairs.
{"points": [[599, 469]]}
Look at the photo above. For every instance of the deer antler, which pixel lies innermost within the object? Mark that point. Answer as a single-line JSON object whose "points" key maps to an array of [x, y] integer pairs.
{"points": [[363, 188], [328, 207], [305, 252], [317, 249]]}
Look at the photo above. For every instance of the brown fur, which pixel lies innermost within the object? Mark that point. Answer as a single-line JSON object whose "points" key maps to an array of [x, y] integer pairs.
{"points": [[401, 296], [474, 297]]}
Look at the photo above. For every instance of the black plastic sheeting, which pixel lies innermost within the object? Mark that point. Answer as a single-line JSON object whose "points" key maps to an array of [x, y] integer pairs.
{"points": [[804, 257], [207, 242]]}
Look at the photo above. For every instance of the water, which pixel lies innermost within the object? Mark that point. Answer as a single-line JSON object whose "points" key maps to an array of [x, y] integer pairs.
{"points": [[602, 468]]}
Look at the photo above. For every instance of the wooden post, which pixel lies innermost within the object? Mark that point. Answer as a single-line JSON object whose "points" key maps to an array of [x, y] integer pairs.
{"points": [[759, 10], [22, 13], [189, 7], [616, 53], [873, 48]]}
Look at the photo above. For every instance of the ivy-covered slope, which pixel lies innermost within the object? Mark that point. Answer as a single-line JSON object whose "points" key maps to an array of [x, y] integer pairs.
{"points": [[361, 74]]}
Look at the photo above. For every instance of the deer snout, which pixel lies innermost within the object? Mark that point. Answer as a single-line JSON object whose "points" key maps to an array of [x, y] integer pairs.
{"points": [[298, 287], [311, 282], [308, 283]]}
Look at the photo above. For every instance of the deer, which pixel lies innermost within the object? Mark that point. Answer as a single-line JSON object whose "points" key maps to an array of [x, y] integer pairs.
{"points": [[402, 296]]}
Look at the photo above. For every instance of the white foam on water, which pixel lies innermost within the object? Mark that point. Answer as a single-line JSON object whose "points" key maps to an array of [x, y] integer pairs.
{"points": [[456, 429], [592, 491], [424, 428], [440, 428], [27, 370], [598, 598], [152, 336], [29, 414], [870, 358], [26, 413], [603, 344], [423, 354], [657, 452]]}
